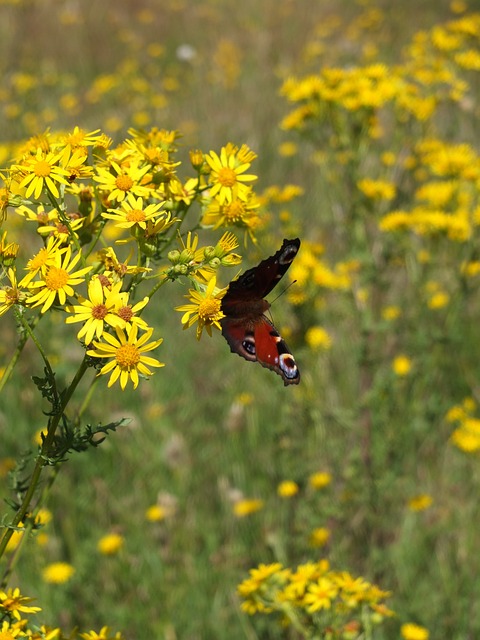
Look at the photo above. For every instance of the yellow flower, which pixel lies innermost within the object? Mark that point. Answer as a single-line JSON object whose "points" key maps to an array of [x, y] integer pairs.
{"points": [[9, 295], [245, 507], [467, 436], [402, 365], [155, 513], [133, 213], [320, 479], [318, 338], [204, 308], [127, 355], [377, 189], [42, 171], [14, 603], [110, 544], [287, 489], [412, 631], [58, 281], [320, 595], [58, 572], [438, 300], [420, 502], [227, 174], [100, 308], [41, 261], [103, 634], [120, 182], [391, 312], [319, 537]]}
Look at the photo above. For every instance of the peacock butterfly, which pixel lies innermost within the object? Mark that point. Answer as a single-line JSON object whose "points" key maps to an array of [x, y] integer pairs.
{"points": [[246, 328]]}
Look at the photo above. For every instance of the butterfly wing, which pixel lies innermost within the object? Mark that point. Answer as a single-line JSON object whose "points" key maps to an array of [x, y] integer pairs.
{"points": [[262, 344], [256, 283], [245, 327]]}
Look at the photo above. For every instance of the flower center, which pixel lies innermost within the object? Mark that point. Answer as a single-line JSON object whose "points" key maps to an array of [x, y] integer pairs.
{"points": [[136, 215], [56, 278], [124, 183], [234, 211], [227, 177], [125, 313], [208, 309], [99, 311], [42, 169], [127, 356], [11, 296]]}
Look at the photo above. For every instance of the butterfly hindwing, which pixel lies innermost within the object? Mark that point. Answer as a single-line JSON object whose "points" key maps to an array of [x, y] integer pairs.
{"points": [[247, 330]]}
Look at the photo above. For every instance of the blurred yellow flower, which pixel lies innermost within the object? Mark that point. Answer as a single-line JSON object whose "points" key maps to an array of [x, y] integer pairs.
{"points": [[438, 300], [412, 631], [319, 537], [110, 544], [287, 489], [391, 312], [320, 479], [420, 502], [318, 338], [245, 507], [58, 572], [155, 513], [402, 365]]}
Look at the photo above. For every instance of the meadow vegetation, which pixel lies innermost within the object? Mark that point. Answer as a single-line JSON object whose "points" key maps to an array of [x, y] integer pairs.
{"points": [[154, 484]]}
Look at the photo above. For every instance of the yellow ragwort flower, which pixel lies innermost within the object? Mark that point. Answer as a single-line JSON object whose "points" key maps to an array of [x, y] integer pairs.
{"points": [[42, 171], [100, 308], [58, 281], [9, 295], [411, 631], [13, 602], [227, 174], [402, 365], [110, 544], [247, 506], [58, 572], [134, 213], [127, 353], [204, 308], [287, 489]]}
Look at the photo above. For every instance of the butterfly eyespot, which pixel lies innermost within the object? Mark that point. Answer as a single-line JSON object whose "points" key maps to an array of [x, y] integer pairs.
{"points": [[249, 345], [288, 366]]}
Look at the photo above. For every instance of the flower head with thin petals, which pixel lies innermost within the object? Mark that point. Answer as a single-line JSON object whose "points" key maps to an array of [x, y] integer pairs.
{"points": [[133, 213], [227, 174], [99, 309], [42, 171], [58, 281], [204, 308], [13, 602], [127, 355]]}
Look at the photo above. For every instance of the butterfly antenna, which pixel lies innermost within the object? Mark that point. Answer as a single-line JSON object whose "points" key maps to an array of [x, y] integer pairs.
{"points": [[284, 291]]}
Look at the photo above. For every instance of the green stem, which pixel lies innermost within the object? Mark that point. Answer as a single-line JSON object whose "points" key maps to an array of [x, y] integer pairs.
{"points": [[14, 359], [42, 458]]}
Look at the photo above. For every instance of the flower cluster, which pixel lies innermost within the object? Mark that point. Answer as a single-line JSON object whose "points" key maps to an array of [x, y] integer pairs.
{"points": [[314, 599], [466, 435], [75, 190], [16, 610]]}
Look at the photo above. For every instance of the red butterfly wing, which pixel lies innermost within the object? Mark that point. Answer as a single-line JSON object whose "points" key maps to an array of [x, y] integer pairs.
{"points": [[245, 327]]}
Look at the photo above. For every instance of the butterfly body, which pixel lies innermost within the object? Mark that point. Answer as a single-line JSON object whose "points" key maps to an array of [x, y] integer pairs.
{"points": [[245, 326]]}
